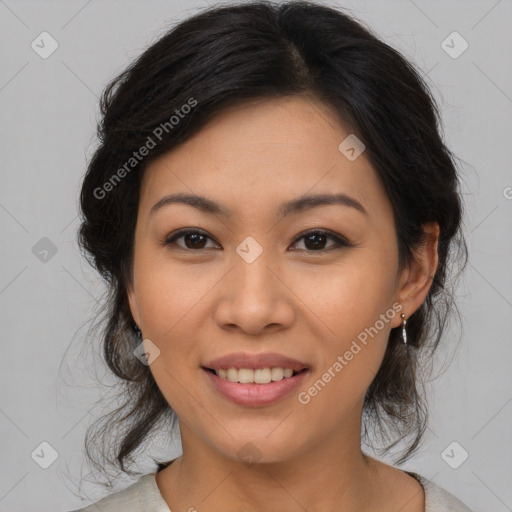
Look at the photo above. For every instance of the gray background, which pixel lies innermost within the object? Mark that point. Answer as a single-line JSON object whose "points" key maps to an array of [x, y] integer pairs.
{"points": [[48, 112]]}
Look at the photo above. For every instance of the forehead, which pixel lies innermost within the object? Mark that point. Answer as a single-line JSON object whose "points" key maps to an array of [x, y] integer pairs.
{"points": [[257, 155]]}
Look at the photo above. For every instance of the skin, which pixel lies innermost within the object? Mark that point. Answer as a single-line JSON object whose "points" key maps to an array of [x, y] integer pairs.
{"points": [[309, 304]]}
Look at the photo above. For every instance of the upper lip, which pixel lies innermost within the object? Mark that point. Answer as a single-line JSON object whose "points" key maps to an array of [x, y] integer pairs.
{"points": [[254, 361]]}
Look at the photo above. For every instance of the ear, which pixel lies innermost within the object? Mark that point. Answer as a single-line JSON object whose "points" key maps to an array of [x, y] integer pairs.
{"points": [[416, 280], [130, 291]]}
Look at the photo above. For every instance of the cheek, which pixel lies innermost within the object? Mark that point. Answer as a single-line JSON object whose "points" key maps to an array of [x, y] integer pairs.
{"points": [[348, 366], [171, 307], [349, 306], [169, 294], [344, 298], [174, 303]]}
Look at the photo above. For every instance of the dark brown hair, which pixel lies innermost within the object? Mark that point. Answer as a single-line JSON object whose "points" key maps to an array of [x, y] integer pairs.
{"points": [[225, 56]]}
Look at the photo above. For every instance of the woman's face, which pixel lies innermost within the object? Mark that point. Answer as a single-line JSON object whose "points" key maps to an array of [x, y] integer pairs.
{"points": [[250, 283]]}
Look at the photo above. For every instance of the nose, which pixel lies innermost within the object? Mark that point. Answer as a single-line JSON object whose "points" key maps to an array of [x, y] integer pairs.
{"points": [[254, 298]]}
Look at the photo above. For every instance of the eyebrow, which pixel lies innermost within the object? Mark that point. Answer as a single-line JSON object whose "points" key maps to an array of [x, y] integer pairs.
{"points": [[294, 206]]}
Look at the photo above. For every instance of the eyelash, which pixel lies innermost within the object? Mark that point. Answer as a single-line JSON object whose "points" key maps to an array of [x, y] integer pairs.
{"points": [[339, 241]]}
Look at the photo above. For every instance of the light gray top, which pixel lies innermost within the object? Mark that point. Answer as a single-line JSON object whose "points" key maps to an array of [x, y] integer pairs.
{"points": [[144, 496]]}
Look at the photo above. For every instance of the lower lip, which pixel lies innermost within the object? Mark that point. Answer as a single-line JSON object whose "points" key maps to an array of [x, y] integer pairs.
{"points": [[255, 395]]}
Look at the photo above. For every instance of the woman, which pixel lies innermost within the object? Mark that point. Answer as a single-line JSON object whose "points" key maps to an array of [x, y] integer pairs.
{"points": [[274, 212]]}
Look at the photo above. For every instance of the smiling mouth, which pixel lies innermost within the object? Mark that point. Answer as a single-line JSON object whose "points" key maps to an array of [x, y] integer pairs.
{"points": [[255, 376]]}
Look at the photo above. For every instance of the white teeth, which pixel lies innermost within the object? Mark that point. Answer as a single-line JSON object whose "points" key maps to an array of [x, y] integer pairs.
{"points": [[277, 374], [232, 375], [262, 376], [258, 376], [245, 375]]}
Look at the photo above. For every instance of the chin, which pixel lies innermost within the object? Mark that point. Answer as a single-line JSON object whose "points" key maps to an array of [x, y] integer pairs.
{"points": [[260, 449]]}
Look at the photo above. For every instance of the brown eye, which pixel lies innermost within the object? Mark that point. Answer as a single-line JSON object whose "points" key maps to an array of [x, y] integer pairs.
{"points": [[193, 239], [315, 241]]}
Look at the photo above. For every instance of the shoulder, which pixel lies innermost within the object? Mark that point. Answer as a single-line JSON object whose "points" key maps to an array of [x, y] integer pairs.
{"points": [[141, 496], [438, 499]]}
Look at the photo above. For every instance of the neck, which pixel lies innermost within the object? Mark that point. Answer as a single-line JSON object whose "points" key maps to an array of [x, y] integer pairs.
{"points": [[331, 475]]}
